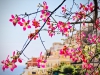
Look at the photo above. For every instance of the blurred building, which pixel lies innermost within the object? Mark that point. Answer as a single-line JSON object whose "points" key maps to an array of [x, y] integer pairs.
{"points": [[31, 63], [54, 59]]}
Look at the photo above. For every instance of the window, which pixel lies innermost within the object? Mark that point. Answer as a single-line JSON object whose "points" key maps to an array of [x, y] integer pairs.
{"points": [[33, 72]]}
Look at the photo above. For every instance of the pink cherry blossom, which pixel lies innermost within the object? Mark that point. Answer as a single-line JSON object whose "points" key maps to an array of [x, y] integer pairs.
{"points": [[25, 24], [44, 15], [10, 63], [64, 9], [35, 23], [45, 6], [83, 7], [41, 61], [90, 7], [14, 19]]}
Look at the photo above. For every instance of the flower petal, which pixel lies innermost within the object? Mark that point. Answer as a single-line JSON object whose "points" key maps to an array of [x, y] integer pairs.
{"points": [[12, 16], [91, 4], [18, 18], [40, 54], [44, 3], [2, 62], [20, 23], [14, 53], [20, 60], [29, 26], [10, 20], [3, 68], [14, 23], [23, 20], [28, 21], [24, 28]]}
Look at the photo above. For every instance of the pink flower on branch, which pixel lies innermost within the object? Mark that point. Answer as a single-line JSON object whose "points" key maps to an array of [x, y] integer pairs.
{"points": [[87, 66], [93, 39], [90, 7], [51, 30], [11, 63], [45, 6], [79, 15], [44, 15], [51, 33], [12, 66], [44, 12], [41, 61], [64, 9], [33, 35], [64, 27], [16, 58], [65, 51], [35, 23], [5, 63], [14, 19], [83, 7], [25, 24]]}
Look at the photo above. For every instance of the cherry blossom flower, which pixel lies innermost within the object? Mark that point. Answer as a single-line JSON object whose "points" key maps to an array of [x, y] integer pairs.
{"points": [[16, 58], [12, 66], [65, 51], [24, 24], [83, 35], [74, 59], [41, 62], [35, 23], [51, 30], [44, 15], [5, 63], [83, 7], [90, 7], [87, 66], [83, 58], [14, 19], [62, 52], [33, 35], [92, 38], [11, 63], [64, 9], [79, 15], [48, 21], [51, 33], [45, 6], [30, 36], [64, 27]]}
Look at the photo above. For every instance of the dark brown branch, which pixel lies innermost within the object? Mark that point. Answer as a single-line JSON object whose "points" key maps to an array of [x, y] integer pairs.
{"points": [[95, 15], [81, 22]]}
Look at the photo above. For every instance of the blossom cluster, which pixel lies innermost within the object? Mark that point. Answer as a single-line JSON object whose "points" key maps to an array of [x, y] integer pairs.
{"points": [[11, 63], [41, 61], [76, 54]]}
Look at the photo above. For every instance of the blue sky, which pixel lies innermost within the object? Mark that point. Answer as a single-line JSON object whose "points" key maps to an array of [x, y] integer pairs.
{"points": [[13, 38]]}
